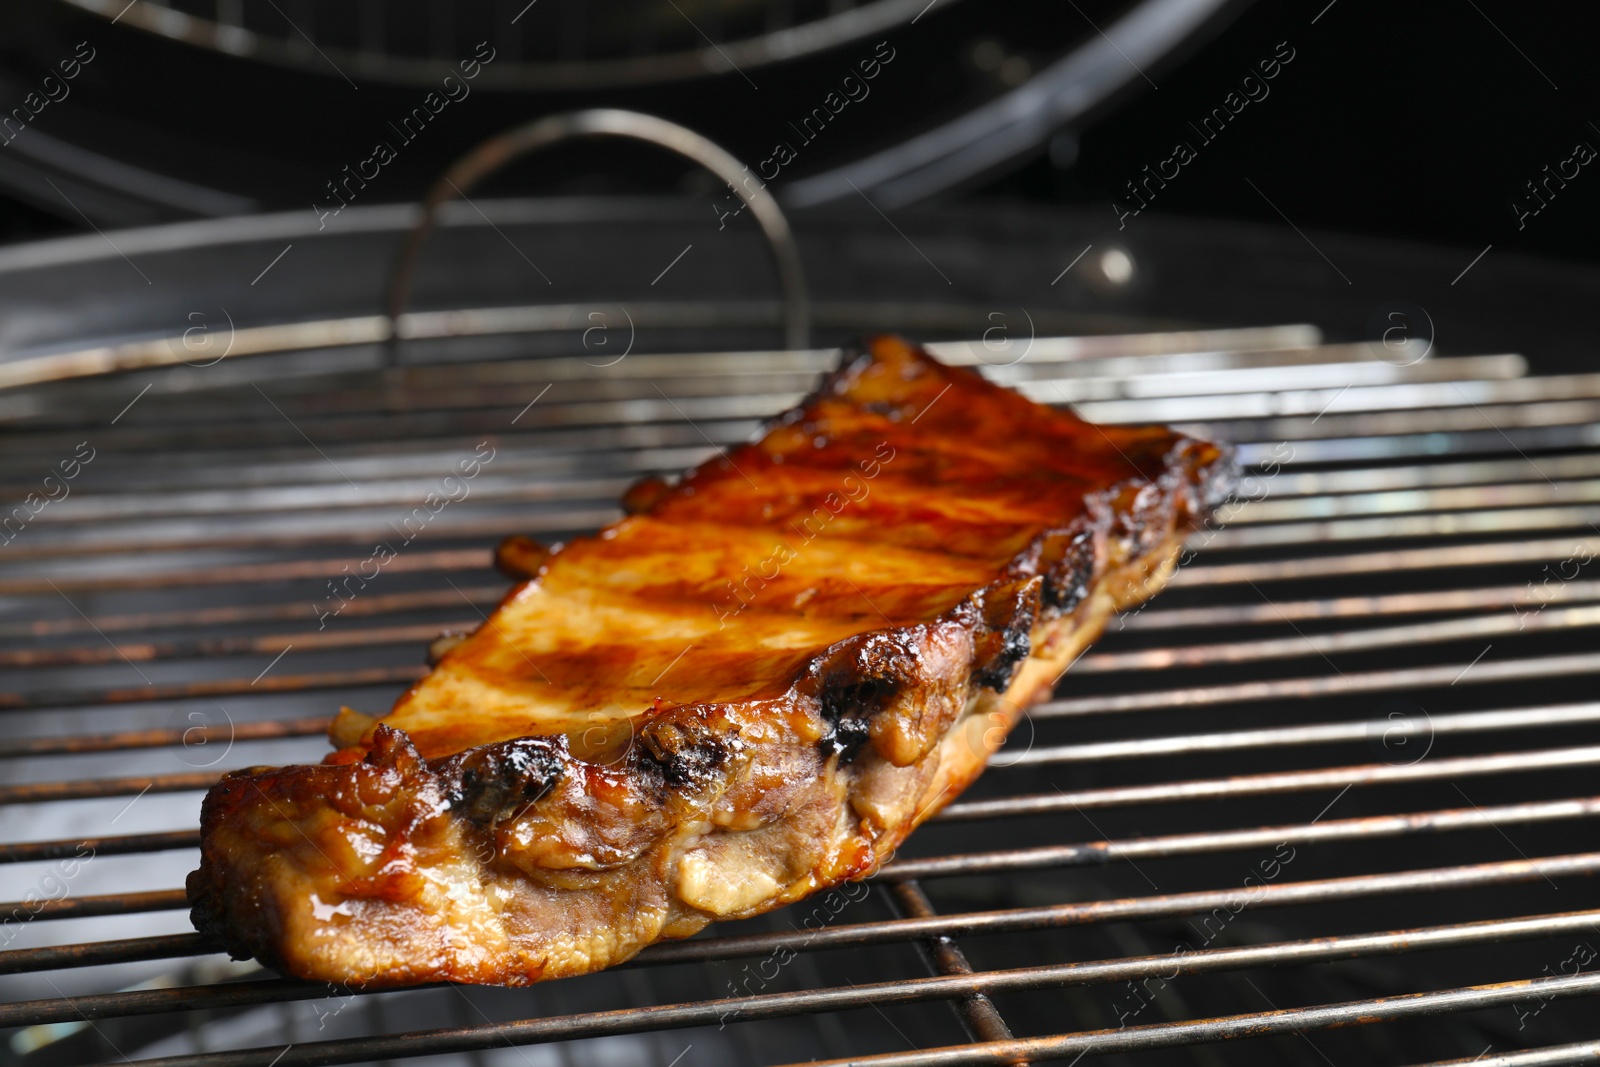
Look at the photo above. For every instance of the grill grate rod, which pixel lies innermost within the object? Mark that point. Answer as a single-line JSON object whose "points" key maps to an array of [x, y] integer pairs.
{"points": [[383, 604], [977, 1012], [1274, 783], [1092, 853], [75, 744], [100, 953], [1343, 684], [1287, 506], [34, 851], [1226, 741], [582, 481], [85, 906], [1301, 645], [1479, 625], [306, 485], [1226, 1028], [1514, 520], [1468, 555], [1375, 489], [1211, 841], [773, 1005], [272, 683], [1584, 1052], [1443, 675], [1314, 734], [1489, 624], [1500, 552], [463, 559], [203, 648], [1330, 486], [955, 924], [1501, 597]]}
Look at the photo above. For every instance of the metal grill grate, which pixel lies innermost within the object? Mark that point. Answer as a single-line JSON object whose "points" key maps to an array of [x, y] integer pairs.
{"points": [[1308, 797]]}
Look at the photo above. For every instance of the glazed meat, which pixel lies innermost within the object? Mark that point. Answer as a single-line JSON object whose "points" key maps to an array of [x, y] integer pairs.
{"points": [[751, 688]]}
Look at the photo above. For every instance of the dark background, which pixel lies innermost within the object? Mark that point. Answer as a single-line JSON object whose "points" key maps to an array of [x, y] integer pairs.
{"points": [[1414, 121]]}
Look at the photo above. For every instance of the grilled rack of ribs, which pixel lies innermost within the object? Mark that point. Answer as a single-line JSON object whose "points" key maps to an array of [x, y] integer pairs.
{"points": [[749, 689]]}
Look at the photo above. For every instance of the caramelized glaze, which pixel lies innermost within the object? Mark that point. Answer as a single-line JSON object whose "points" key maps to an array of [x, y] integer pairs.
{"points": [[750, 688]]}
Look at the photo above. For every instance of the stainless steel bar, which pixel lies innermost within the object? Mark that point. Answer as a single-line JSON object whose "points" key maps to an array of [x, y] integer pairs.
{"points": [[204, 647], [1257, 375], [1581, 520], [1536, 490], [1336, 402], [34, 851], [364, 678], [956, 924], [1299, 646], [96, 788], [541, 318], [74, 744], [377, 604], [102, 953], [1151, 618], [1368, 479], [1094, 853], [1278, 782], [112, 539], [1490, 420], [1388, 731], [450, 559], [1290, 496], [1582, 1052], [1240, 528], [977, 1012], [82, 907], [729, 418], [1162, 792], [1277, 378], [1234, 1027], [1483, 554], [771, 1005], [1331, 685], [485, 385], [1364, 607], [1090, 853], [1396, 732], [1256, 450], [1324, 644], [92, 507]]}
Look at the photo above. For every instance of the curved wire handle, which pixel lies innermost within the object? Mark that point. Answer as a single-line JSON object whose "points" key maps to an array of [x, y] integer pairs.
{"points": [[501, 149]]}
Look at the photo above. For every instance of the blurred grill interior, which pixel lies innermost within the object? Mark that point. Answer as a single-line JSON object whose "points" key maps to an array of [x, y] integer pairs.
{"points": [[1327, 798]]}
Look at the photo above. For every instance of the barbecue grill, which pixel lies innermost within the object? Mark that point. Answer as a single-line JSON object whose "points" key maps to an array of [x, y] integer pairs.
{"points": [[1325, 798]]}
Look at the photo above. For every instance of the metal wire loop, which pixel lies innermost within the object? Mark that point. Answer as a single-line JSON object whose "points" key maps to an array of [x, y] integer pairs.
{"points": [[503, 148]]}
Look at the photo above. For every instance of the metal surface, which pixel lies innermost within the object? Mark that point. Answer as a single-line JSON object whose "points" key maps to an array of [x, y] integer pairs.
{"points": [[1395, 741], [495, 153], [227, 33]]}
